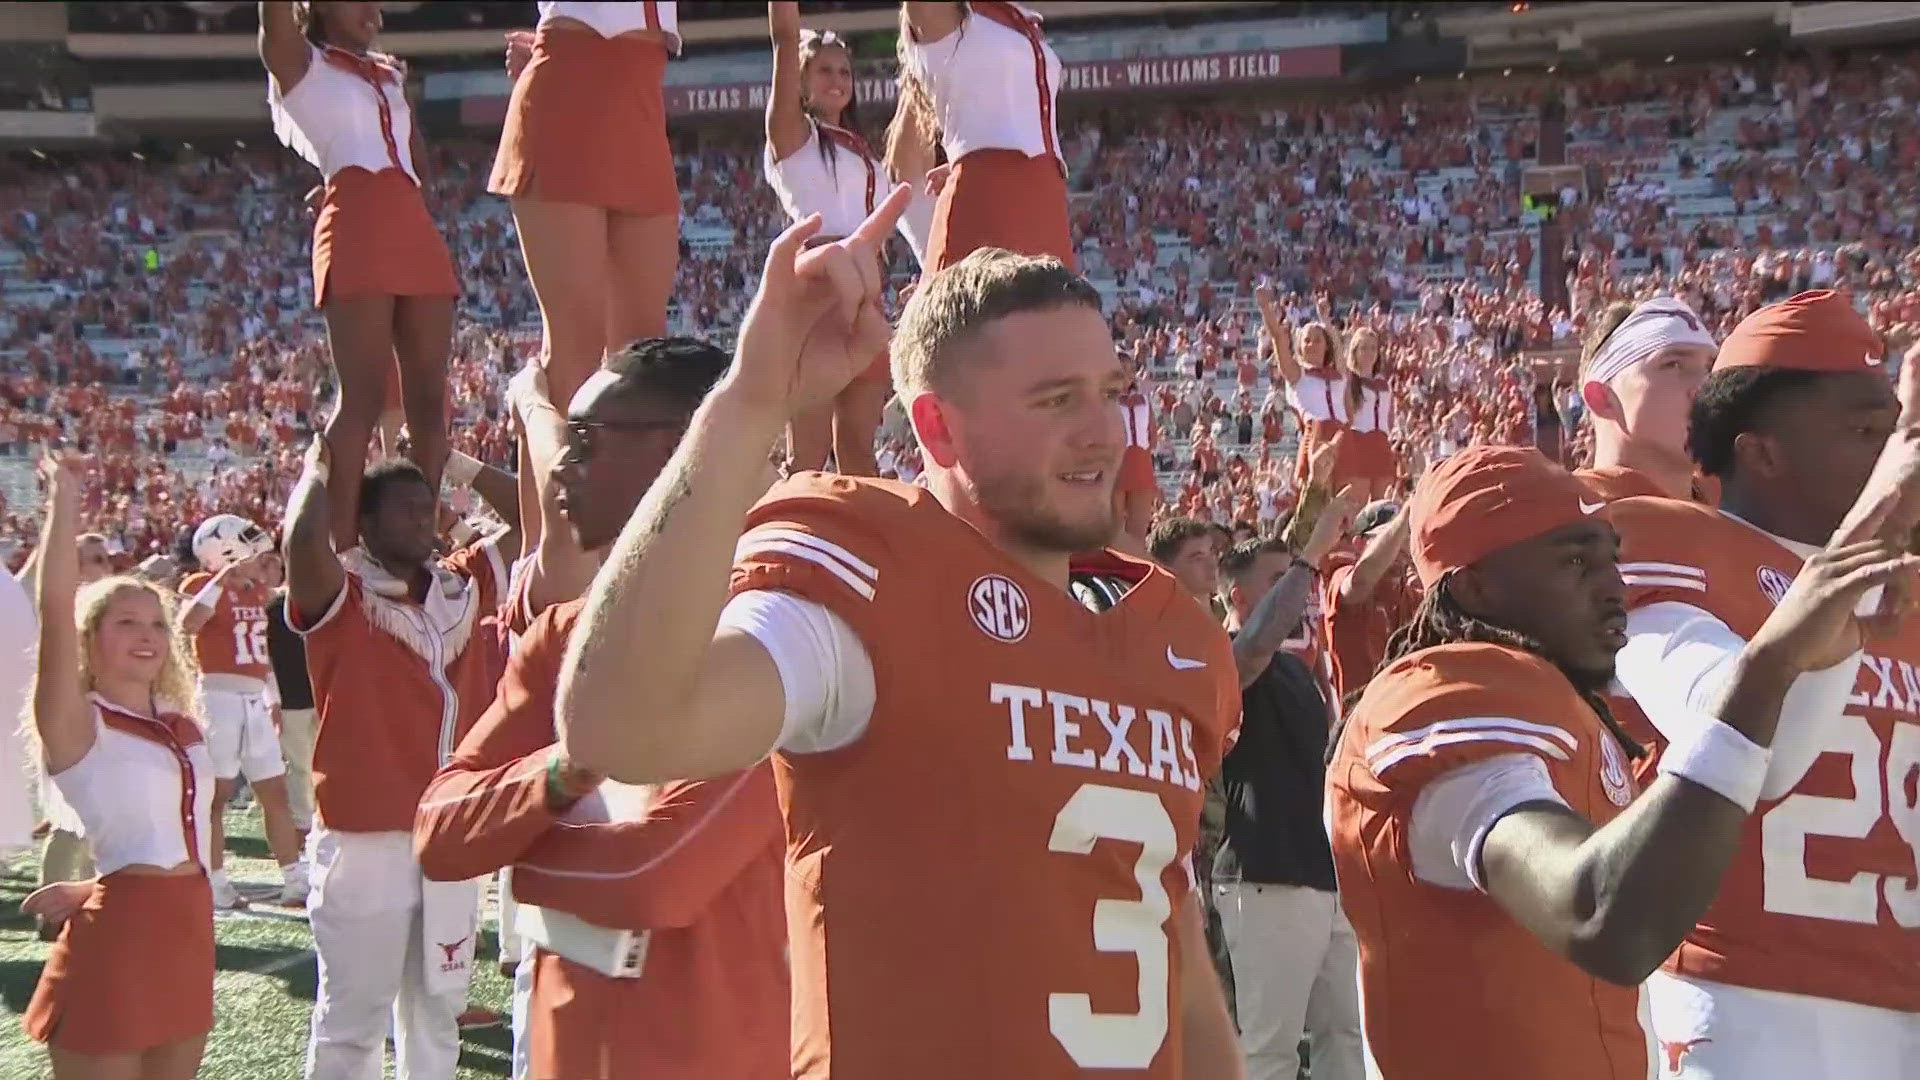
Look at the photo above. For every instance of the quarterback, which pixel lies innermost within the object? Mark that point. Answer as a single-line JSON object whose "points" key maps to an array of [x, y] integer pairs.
{"points": [[988, 788], [226, 616]]}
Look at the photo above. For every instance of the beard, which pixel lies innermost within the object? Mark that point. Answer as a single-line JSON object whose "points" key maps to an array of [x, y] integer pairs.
{"points": [[1019, 504]]}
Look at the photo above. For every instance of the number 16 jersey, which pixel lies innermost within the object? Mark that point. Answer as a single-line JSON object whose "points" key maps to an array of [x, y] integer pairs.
{"points": [[233, 641], [986, 882]]}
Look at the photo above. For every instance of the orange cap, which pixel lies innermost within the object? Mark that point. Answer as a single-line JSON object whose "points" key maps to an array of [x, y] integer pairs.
{"points": [[1485, 498], [1812, 331]]}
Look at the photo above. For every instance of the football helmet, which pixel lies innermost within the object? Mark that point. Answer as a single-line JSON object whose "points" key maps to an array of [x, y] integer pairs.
{"points": [[224, 539]]}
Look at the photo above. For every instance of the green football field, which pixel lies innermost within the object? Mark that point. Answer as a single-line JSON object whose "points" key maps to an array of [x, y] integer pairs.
{"points": [[263, 990]]}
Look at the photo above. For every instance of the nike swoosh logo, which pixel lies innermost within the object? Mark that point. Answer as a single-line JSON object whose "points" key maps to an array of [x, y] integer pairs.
{"points": [[1181, 663], [1588, 508]]}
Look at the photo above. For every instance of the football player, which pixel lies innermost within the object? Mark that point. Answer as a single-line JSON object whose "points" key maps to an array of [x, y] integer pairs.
{"points": [[655, 914], [1806, 965], [988, 788], [1483, 816], [1639, 371], [226, 616]]}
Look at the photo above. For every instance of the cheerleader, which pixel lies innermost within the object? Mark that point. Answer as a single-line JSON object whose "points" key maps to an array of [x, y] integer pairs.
{"points": [[981, 78], [1640, 369], [1366, 455], [585, 160], [382, 275], [128, 989], [1307, 361], [818, 162]]}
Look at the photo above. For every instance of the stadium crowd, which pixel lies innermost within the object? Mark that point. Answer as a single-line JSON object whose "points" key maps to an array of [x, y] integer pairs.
{"points": [[1398, 209]]}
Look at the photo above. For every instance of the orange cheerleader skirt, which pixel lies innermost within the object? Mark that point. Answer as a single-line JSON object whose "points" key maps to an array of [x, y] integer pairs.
{"points": [[1365, 455], [133, 969], [1003, 199], [587, 124], [375, 238], [1136, 471]]}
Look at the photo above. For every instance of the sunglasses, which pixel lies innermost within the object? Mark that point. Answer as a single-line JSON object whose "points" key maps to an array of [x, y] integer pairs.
{"points": [[583, 435]]}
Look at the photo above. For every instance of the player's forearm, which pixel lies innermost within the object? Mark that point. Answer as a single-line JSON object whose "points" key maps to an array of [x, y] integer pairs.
{"points": [[313, 571], [1654, 869], [696, 841], [1380, 554], [650, 616], [474, 821], [1272, 622], [1208, 1044]]}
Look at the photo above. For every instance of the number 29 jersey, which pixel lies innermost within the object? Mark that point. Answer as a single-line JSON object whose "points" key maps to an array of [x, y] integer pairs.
{"points": [[1822, 898], [987, 882], [234, 640]]}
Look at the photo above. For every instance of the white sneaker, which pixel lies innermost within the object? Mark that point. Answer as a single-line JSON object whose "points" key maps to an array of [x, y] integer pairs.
{"points": [[294, 887], [225, 896]]}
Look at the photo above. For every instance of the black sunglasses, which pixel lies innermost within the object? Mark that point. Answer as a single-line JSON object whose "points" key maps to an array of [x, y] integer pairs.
{"points": [[582, 435]]}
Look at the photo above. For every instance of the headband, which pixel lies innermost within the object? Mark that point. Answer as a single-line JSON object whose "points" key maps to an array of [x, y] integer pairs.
{"points": [[1654, 325]]}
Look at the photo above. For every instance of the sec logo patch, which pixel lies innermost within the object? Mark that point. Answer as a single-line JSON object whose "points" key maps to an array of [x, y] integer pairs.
{"points": [[1773, 583], [999, 608], [1614, 778]]}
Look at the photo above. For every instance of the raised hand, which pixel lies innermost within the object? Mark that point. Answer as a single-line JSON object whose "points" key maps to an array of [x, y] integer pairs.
{"points": [[1814, 625], [519, 51], [937, 179], [59, 472], [816, 321], [1320, 463], [783, 20], [1331, 526]]}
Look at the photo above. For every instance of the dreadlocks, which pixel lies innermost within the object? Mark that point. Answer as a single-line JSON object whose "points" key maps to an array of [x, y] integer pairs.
{"points": [[1440, 620]]}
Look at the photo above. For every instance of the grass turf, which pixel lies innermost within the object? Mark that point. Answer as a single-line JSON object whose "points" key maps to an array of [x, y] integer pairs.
{"points": [[263, 987]]}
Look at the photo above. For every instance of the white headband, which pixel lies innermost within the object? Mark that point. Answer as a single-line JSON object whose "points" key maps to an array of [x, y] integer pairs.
{"points": [[1654, 325]]}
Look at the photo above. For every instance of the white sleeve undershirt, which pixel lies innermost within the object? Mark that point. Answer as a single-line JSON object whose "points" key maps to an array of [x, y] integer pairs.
{"points": [[1676, 666], [1456, 810], [825, 670]]}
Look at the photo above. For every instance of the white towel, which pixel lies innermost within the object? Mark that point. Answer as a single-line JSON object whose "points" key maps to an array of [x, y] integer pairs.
{"points": [[449, 921]]}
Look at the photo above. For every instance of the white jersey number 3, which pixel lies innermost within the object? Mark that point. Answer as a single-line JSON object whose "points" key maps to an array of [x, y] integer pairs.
{"points": [[1120, 1040], [1788, 888]]}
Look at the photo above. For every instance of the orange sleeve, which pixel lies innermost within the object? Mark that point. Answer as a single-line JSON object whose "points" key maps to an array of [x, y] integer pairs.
{"points": [[663, 871], [1442, 708], [487, 805]]}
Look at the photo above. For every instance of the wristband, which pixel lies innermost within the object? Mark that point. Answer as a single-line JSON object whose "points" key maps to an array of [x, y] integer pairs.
{"points": [[208, 596], [1720, 759], [461, 468]]}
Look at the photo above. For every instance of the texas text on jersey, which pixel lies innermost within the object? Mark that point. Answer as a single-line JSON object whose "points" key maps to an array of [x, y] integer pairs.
{"points": [[1058, 755], [1821, 898], [233, 641]]}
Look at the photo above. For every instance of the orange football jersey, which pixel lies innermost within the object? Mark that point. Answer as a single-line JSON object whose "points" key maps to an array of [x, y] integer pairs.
{"points": [[1823, 896], [234, 640], [1615, 482], [985, 883], [1454, 988]]}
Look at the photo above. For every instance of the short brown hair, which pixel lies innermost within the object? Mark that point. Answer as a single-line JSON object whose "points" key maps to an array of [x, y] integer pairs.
{"points": [[1240, 558], [1601, 329], [958, 302], [1167, 537]]}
